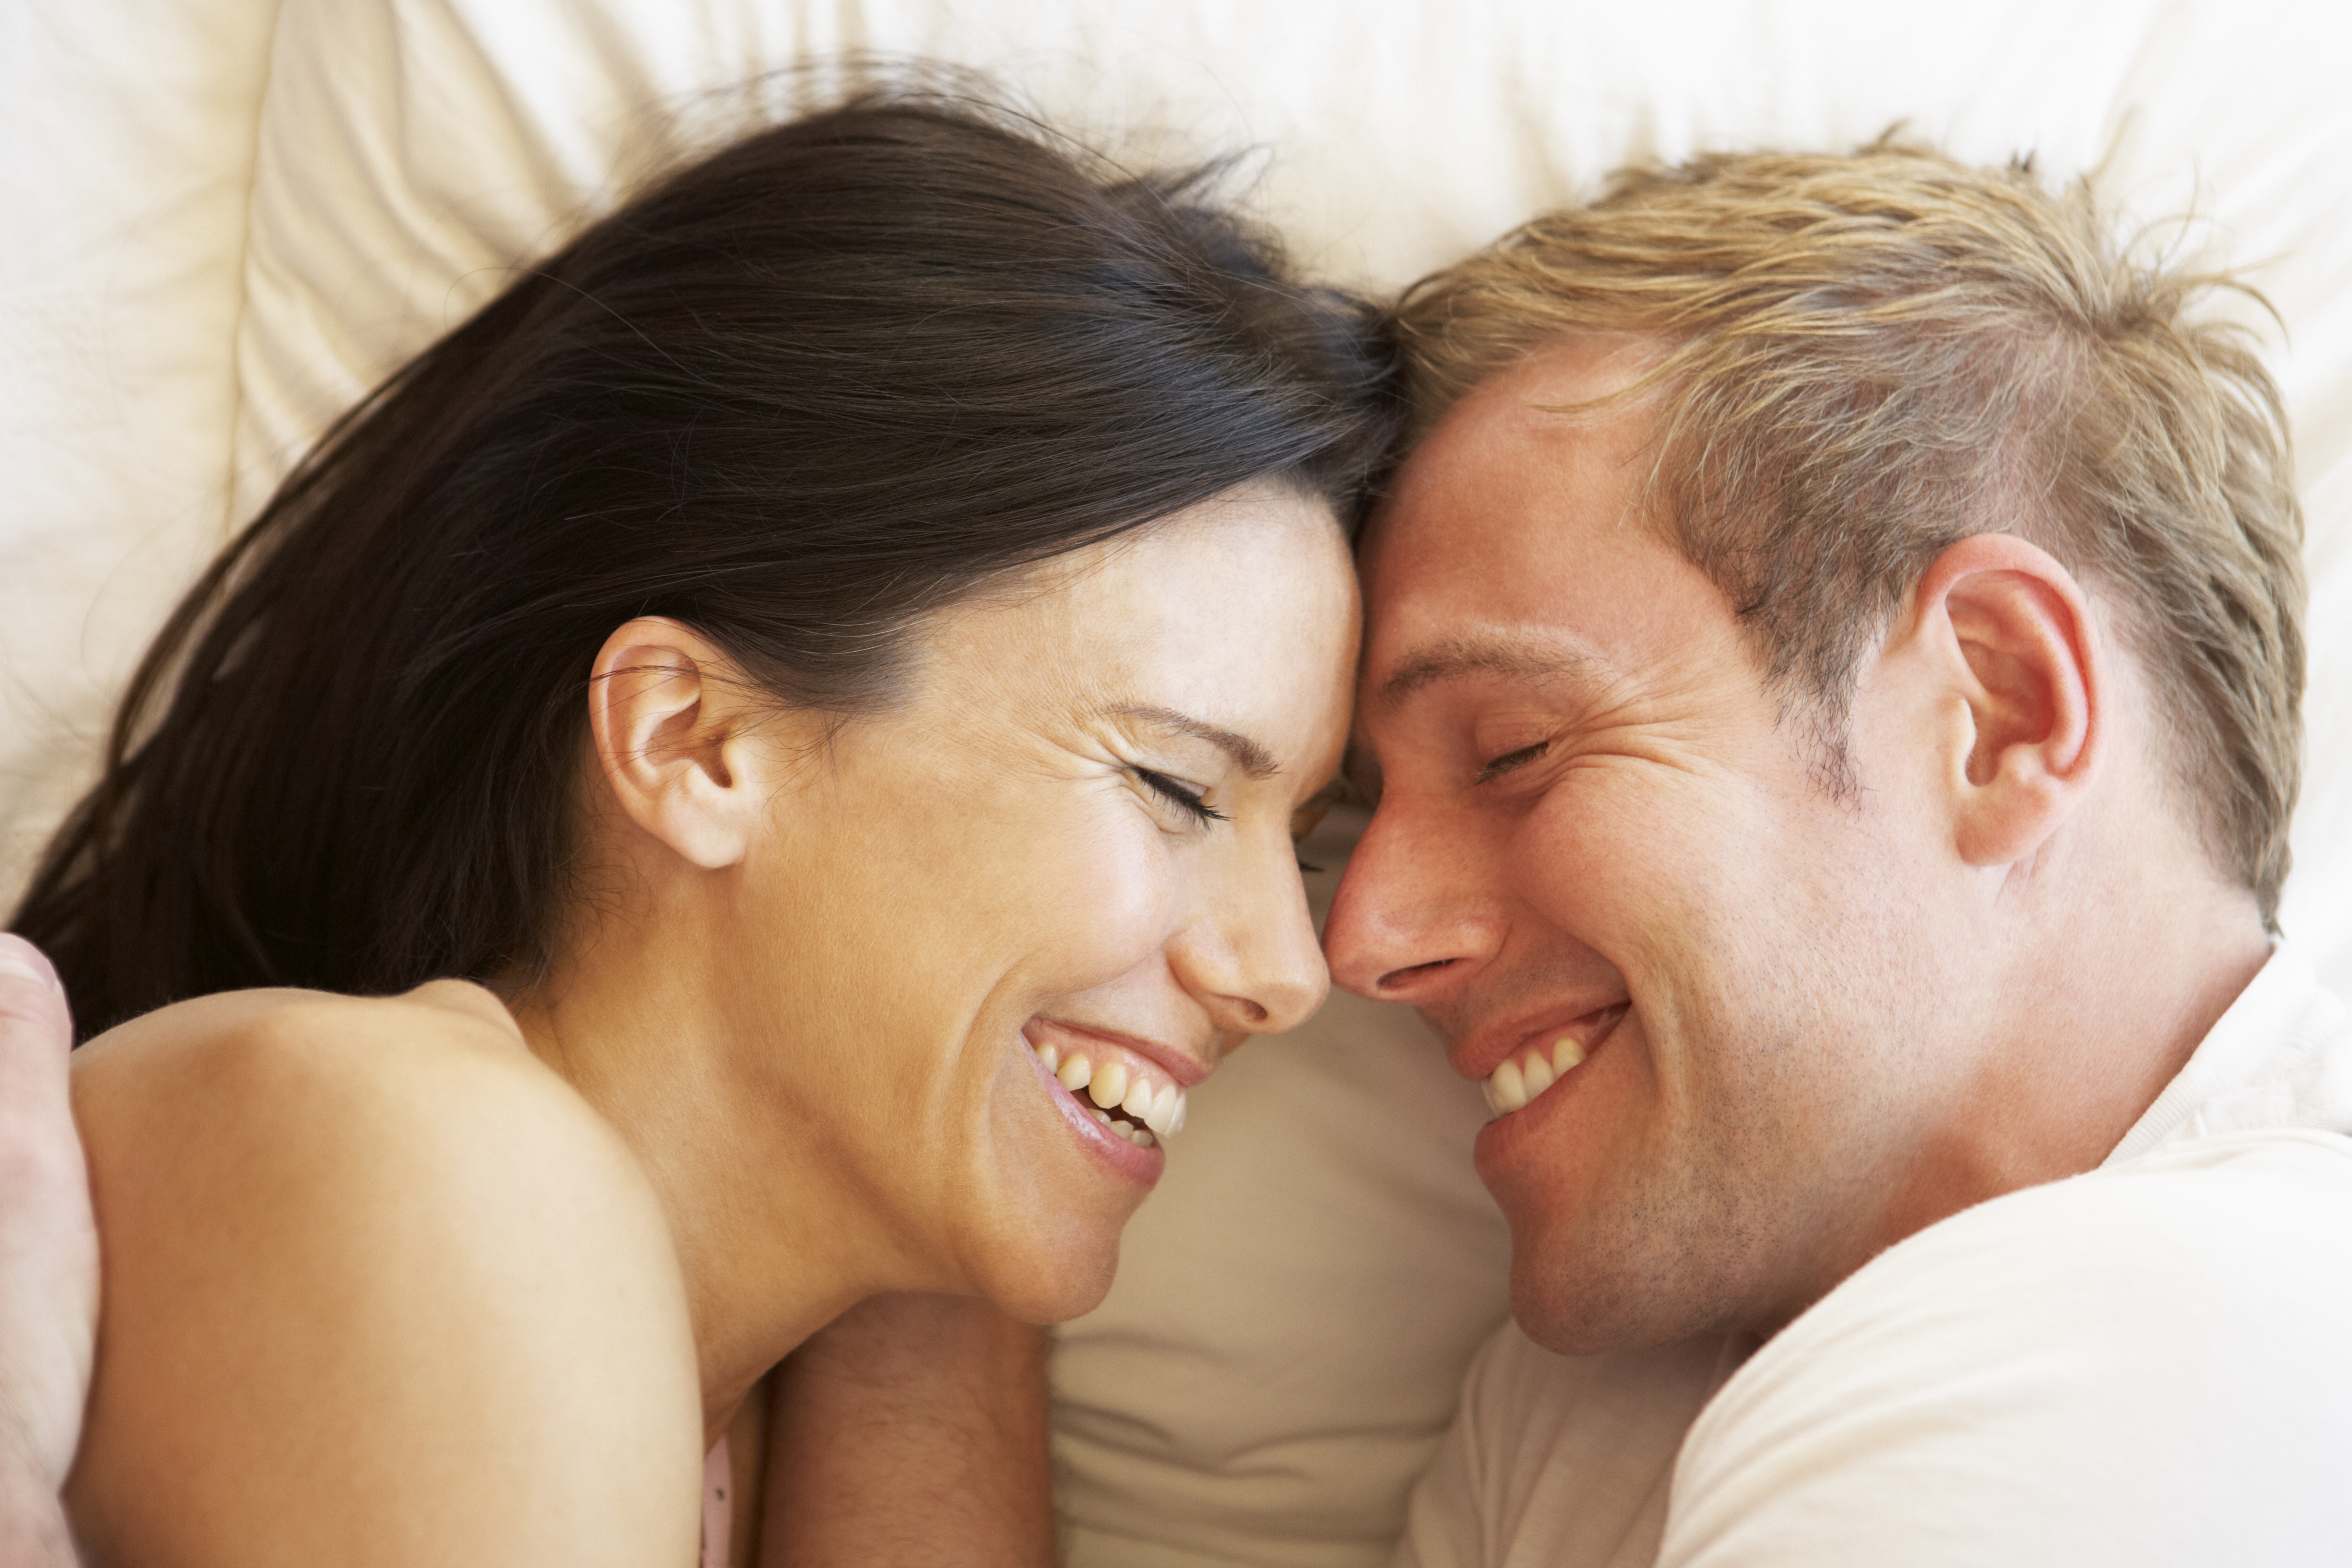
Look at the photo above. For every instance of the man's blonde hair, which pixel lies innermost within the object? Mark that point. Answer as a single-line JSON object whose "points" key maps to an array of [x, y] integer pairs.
{"points": [[1870, 357]]}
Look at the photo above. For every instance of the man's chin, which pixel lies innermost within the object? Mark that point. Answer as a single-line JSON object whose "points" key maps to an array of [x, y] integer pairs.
{"points": [[1567, 1322], [1583, 1300]]}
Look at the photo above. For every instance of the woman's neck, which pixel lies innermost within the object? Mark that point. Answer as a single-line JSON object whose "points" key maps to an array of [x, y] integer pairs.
{"points": [[769, 1245]]}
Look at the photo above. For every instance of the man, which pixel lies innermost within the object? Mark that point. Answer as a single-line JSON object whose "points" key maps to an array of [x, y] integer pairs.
{"points": [[1830, 692], [48, 1263]]}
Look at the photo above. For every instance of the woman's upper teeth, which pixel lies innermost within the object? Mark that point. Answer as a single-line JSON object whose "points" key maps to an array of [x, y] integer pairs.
{"points": [[1117, 1085], [1528, 1074]]}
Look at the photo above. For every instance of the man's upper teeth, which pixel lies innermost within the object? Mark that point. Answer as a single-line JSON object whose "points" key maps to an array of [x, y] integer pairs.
{"points": [[1528, 1074], [1114, 1085]]}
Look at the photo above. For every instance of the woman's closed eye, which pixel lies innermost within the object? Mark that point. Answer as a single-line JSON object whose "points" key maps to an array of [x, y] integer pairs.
{"points": [[1183, 797]]}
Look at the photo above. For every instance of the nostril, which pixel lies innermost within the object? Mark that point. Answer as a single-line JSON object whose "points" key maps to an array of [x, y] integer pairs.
{"points": [[1398, 979]]}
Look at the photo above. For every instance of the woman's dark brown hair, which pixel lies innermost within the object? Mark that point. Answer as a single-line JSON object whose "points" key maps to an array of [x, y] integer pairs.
{"points": [[797, 395]]}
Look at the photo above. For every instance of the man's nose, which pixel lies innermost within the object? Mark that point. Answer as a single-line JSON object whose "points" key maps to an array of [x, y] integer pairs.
{"points": [[1419, 910]]}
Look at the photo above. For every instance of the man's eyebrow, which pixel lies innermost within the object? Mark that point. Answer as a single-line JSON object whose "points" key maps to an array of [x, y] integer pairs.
{"points": [[1509, 658], [1254, 759]]}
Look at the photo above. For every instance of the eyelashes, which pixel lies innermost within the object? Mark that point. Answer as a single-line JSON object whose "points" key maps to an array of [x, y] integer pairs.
{"points": [[1189, 802], [1509, 760], [1184, 800]]}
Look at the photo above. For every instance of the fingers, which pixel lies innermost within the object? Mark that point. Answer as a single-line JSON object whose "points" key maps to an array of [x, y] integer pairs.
{"points": [[48, 1243], [37, 1135], [38, 1145], [30, 990]]}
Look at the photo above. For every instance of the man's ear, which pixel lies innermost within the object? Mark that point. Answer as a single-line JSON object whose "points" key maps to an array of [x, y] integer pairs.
{"points": [[2013, 637], [670, 717]]}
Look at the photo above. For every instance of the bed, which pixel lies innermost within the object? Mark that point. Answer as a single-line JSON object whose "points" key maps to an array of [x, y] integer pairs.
{"points": [[225, 218]]}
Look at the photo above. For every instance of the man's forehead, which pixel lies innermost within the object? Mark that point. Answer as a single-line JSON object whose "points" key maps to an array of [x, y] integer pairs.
{"points": [[1546, 436], [1587, 381]]}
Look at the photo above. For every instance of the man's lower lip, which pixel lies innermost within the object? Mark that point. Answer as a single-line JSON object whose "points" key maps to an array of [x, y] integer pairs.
{"points": [[1500, 1140]]}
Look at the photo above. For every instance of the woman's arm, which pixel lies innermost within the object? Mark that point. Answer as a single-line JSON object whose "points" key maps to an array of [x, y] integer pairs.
{"points": [[380, 1291], [48, 1262], [911, 1432]]}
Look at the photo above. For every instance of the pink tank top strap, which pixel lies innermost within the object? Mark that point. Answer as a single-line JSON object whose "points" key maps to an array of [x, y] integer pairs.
{"points": [[718, 1505]]}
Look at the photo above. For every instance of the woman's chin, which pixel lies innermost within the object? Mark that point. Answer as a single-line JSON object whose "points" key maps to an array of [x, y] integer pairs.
{"points": [[1066, 1182], [1067, 1278], [1038, 1308]]}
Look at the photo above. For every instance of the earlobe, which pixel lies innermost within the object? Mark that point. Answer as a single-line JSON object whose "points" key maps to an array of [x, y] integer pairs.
{"points": [[2026, 656], [664, 721]]}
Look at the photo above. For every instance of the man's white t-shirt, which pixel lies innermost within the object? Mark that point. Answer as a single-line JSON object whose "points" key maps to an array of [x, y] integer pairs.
{"points": [[2147, 1363]]}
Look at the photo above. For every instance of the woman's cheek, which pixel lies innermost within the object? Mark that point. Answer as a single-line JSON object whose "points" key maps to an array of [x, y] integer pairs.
{"points": [[1110, 903]]}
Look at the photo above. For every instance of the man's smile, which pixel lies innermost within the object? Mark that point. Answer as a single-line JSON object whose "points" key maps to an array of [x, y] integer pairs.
{"points": [[1548, 1055]]}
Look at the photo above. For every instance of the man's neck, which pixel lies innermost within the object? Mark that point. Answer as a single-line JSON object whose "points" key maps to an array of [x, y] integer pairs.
{"points": [[2068, 1043], [2096, 1027]]}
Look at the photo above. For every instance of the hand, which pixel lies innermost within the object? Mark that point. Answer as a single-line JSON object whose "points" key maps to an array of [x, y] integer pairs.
{"points": [[911, 1430], [48, 1260]]}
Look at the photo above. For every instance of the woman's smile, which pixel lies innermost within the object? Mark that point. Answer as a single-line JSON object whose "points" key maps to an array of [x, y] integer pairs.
{"points": [[1131, 1087], [1110, 1135]]}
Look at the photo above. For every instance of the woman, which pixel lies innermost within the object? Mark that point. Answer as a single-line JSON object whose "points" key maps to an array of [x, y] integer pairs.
{"points": [[793, 720]]}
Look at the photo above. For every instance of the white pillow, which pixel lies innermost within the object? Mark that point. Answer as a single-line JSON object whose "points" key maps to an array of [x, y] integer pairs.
{"points": [[126, 152]]}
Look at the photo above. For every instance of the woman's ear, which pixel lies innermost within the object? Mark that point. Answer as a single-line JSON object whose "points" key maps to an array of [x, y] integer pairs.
{"points": [[670, 717], [2016, 642]]}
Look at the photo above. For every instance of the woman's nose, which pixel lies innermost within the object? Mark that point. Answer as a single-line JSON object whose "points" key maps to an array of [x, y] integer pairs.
{"points": [[1414, 918], [1252, 959]]}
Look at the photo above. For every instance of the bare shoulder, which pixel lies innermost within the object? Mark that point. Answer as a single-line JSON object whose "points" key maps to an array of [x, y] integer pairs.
{"points": [[380, 1288], [246, 1049], [424, 1119]]}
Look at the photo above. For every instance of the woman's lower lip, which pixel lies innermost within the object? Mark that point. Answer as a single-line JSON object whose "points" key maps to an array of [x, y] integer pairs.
{"points": [[1129, 1160]]}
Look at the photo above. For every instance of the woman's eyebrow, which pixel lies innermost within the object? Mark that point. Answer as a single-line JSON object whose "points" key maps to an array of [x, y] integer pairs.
{"points": [[1252, 758]]}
